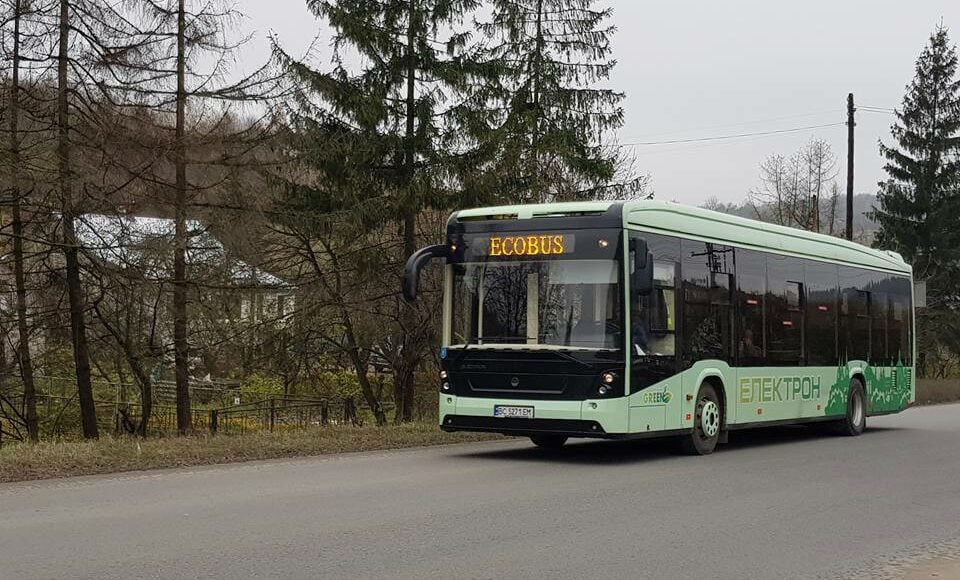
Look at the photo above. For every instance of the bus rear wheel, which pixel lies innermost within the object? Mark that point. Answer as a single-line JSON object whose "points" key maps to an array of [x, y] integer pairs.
{"points": [[855, 420], [707, 422], [548, 440]]}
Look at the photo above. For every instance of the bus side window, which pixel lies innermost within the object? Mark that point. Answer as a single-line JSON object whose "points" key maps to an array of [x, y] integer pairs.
{"points": [[898, 342], [784, 301], [707, 313], [821, 281], [854, 314], [878, 328], [751, 291]]}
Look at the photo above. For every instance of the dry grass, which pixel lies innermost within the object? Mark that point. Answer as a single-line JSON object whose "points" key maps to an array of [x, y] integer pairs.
{"points": [[112, 455], [933, 391]]}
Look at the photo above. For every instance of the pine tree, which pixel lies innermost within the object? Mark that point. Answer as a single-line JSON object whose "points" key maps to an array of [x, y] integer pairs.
{"points": [[919, 204], [542, 114], [390, 114]]}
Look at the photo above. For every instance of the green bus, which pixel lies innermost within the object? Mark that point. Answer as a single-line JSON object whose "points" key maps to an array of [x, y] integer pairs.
{"points": [[647, 318]]}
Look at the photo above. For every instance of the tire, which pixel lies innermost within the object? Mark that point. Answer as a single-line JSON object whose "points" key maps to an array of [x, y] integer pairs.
{"points": [[548, 440], [855, 420], [707, 423]]}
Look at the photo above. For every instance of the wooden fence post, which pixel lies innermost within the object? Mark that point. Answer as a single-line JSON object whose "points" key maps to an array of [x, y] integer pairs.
{"points": [[349, 411], [214, 421]]}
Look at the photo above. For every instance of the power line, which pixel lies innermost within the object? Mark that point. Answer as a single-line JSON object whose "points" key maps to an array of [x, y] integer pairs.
{"points": [[727, 137], [740, 124], [881, 110]]}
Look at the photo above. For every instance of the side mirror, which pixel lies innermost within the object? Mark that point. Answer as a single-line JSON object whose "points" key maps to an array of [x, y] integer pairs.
{"points": [[641, 280], [416, 262]]}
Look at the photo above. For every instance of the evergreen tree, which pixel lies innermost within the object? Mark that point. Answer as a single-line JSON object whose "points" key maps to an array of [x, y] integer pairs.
{"points": [[542, 114], [919, 204], [379, 116]]}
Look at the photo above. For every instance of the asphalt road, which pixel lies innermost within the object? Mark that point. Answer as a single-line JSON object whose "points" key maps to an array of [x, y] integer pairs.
{"points": [[781, 503]]}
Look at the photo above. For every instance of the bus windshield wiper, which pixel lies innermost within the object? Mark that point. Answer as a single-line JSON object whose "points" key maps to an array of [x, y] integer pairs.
{"points": [[570, 357], [463, 352]]}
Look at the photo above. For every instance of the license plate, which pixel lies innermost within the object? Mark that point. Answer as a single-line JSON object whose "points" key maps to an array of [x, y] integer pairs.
{"points": [[508, 412]]}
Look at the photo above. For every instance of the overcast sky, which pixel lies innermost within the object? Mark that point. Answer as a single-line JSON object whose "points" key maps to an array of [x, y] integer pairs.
{"points": [[696, 69]]}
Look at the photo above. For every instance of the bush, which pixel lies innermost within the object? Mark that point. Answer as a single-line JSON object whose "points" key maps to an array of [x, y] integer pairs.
{"points": [[339, 385], [257, 387]]}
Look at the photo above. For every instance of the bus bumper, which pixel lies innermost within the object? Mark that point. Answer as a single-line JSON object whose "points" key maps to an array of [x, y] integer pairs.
{"points": [[604, 418]]}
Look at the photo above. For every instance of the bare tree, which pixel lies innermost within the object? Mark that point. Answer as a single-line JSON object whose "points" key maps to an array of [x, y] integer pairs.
{"points": [[799, 190], [128, 289], [628, 181], [820, 173], [16, 12], [326, 259], [66, 24], [167, 74]]}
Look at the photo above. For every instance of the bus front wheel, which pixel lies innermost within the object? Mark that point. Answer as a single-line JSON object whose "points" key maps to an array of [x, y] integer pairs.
{"points": [[707, 423], [548, 440]]}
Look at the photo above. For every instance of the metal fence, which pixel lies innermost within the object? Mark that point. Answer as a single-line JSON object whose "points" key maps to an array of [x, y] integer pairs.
{"points": [[164, 392], [217, 409], [60, 416], [288, 413]]}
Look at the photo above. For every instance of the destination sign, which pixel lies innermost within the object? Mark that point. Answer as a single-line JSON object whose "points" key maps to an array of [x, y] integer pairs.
{"points": [[530, 245]]}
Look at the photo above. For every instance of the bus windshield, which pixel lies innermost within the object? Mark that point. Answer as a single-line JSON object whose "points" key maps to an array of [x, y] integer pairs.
{"points": [[547, 303]]}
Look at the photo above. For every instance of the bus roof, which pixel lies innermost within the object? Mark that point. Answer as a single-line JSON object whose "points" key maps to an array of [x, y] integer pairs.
{"points": [[672, 218]]}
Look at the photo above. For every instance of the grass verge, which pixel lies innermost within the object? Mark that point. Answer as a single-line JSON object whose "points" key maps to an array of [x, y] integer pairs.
{"points": [[22, 462], [934, 391]]}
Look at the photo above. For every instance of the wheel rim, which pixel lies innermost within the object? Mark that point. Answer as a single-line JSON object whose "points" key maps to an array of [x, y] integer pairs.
{"points": [[857, 402], [710, 419]]}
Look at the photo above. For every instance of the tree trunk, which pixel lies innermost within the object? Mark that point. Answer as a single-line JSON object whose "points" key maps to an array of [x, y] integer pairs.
{"points": [[136, 366], [181, 240], [81, 352], [352, 348], [23, 348], [364, 379], [539, 195], [403, 380], [360, 366]]}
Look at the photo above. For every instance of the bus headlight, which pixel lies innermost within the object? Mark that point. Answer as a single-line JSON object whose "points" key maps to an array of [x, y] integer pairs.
{"points": [[608, 384], [443, 375], [446, 387]]}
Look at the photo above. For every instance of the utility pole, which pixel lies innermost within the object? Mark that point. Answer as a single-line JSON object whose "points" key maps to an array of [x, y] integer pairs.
{"points": [[850, 125]]}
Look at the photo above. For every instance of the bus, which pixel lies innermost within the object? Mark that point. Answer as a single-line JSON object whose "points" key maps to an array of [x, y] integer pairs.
{"points": [[636, 319]]}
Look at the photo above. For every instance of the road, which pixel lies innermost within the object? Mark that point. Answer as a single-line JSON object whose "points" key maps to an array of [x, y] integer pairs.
{"points": [[779, 503]]}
